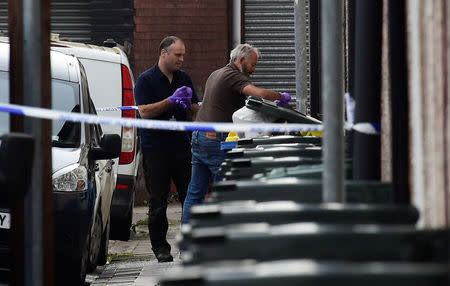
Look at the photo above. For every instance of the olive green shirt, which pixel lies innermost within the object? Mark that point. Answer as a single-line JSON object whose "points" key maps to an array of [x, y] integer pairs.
{"points": [[223, 94]]}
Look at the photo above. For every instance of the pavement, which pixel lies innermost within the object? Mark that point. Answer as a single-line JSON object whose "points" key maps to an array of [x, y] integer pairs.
{"points": [[133, 262]]}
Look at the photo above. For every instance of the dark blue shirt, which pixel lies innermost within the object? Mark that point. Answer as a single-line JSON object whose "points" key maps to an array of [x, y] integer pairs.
{"points": [[153, 86]]}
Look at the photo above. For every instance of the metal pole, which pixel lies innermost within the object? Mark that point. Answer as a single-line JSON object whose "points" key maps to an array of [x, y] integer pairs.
{"points": [[15, 32], [302, 70], [36, 88], [32, 97], [399, 87], [367, 88], [333, 100]]}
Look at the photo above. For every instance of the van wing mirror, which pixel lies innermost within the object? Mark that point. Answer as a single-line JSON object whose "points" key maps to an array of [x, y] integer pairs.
{"points": [[110, 147], [16, 163]]}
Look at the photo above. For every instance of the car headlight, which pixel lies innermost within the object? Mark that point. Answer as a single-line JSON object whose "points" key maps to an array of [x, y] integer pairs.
{"points": [[69, 179]]}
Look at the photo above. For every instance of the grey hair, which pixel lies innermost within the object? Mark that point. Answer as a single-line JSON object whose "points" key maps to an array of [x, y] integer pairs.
{"points": [[243, 50]]}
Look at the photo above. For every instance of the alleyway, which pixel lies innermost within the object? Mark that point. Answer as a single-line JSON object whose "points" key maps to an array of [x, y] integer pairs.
{"points": [[133, 262]]}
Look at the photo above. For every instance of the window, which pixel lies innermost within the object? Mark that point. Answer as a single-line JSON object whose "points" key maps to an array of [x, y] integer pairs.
{"points": [[65, 97], [4, 98]]}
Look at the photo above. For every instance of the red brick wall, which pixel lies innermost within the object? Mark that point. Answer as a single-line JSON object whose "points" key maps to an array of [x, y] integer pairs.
{"points": [[204, 26]]}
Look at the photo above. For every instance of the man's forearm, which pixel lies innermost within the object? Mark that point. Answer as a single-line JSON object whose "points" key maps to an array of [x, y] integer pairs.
{"points": [[192, 114], [261, 92], [152, 110]]}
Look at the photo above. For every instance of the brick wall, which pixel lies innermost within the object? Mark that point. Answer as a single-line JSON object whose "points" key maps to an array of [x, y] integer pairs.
{"points": [[204, 26]]}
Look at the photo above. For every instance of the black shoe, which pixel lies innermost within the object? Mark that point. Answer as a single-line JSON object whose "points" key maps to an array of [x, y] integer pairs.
{"points": [[164, 256]]}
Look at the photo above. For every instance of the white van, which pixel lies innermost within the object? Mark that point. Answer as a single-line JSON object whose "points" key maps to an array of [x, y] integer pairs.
{"points": [[111, 84], [82, 174]]}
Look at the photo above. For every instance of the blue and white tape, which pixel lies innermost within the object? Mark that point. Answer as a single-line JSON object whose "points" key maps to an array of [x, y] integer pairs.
{"points": [[366, 128], [120, 108], [43, 113], [361, 127], [154, 124], [350, 107]]}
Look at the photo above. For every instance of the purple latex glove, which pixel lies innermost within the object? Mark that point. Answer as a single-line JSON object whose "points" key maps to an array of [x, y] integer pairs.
{"points": [[184, 103], [284, 100], [181, 97]]}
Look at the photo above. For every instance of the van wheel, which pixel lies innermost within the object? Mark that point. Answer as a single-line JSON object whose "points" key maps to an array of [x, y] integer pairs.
{"points": [[122, 227], [104, 244], [127, 222], [126, 228]]}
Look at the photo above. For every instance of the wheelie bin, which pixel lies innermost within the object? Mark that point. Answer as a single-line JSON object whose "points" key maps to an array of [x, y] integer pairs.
{"points": [[301, 172], [338, 242], [307, 273], [242, 168], [281, 212], [298, 190], [253, 142], [315, 152], [16, 162], [280, 113]]}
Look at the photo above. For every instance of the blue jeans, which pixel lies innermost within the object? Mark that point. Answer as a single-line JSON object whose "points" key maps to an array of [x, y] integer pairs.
{"points": [[206, 160]]}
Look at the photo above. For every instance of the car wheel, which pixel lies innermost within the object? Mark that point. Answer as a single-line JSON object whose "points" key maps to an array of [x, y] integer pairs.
{"points": [[74, 272], [95, 240], [103, 253], [83, 266]]}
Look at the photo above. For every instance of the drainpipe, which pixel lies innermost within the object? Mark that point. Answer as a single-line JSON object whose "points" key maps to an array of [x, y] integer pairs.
{"points": [[236, 18], [301, 9], [415, 104]]}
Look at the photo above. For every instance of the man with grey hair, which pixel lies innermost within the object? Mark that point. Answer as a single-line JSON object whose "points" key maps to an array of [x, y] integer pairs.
{"points": [[225, 92], [243, 50]]}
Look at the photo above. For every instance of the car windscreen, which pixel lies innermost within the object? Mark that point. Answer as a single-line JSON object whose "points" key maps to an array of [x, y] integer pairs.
{"points": [[65, 97]]}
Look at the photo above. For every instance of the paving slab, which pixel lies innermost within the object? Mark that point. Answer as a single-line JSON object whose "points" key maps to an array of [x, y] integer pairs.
{"points": [[133, 262]]}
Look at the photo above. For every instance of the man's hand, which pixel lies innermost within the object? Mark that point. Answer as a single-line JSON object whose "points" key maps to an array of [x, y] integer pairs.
{"points": [[181, 97], [184, 103], [284, 100]]}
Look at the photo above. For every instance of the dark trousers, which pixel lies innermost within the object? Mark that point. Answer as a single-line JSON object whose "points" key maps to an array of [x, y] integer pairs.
{"points": [[159, 168]]}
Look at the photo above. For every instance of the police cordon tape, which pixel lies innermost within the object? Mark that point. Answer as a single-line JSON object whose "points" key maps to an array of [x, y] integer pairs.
{"points": [[36, 112], [117, 108]]}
